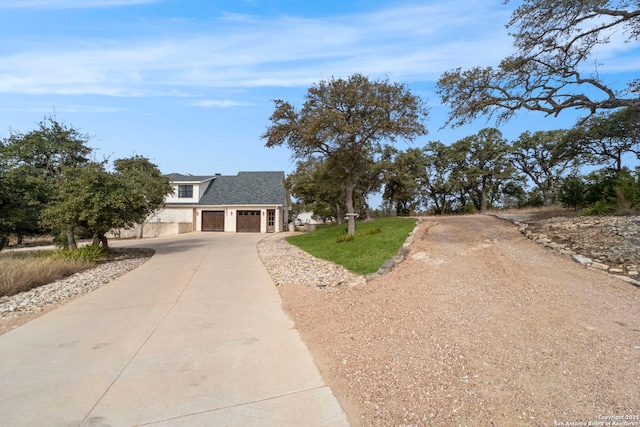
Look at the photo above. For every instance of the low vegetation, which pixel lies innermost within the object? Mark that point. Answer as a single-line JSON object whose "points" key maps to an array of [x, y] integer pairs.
{"points": [[22, 271], [364, 252]]}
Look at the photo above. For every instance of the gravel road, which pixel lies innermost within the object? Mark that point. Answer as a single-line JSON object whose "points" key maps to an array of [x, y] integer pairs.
{"points": [[478, 326]]}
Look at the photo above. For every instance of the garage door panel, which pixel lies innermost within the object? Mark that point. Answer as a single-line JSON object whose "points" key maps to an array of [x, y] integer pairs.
{"points": [[212, 220], [248, 221]]}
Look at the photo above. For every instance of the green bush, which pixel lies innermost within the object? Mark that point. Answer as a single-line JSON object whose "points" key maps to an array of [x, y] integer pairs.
{"points": [[572, 192], [599, 208]]}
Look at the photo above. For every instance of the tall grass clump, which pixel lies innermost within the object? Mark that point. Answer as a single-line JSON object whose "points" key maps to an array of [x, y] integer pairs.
{"points": [[90, 253]]}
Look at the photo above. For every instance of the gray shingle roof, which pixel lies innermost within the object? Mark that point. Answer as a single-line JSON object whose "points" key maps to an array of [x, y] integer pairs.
{"points": [[246, 188], [178, 177]]}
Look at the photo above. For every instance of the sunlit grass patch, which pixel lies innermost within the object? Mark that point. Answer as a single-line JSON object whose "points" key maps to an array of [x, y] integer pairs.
{"points": [[373, 243]]}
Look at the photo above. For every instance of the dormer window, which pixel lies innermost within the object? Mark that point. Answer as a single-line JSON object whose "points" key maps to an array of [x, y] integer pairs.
{"points": [[185, 191]]}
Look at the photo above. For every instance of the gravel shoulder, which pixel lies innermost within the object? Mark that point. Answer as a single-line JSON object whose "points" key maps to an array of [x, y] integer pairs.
{"points": [[478, 326]]}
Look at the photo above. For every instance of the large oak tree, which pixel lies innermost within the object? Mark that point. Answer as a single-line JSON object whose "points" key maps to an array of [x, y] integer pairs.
{"points": [[555, 66], [346, 122], [30, 166]]}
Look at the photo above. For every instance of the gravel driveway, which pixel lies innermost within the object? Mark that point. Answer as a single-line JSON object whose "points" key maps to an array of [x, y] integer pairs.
{"points": [[478, 326]]}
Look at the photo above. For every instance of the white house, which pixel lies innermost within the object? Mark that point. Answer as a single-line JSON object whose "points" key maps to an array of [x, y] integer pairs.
{"points": [[247, 202]]}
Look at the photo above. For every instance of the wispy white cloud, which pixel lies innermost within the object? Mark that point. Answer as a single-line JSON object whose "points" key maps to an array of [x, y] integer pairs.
{"points": [[218, 103], [405, 43], [69, 4]]}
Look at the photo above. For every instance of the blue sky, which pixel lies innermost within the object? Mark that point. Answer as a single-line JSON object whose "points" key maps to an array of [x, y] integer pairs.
{"points": [[190, 84]]}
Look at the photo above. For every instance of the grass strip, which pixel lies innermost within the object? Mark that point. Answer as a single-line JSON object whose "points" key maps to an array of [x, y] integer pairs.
{"points": [[373, 243]]}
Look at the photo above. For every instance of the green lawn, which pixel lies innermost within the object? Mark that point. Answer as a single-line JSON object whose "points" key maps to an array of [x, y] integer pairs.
{"points": [[368, 250]]}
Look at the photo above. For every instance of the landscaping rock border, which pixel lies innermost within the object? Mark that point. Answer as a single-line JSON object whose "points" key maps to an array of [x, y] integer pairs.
{"points": [[609, 243]]}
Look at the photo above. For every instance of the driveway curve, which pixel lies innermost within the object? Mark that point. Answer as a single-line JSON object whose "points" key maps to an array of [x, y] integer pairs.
{"points": [[195, 336]]}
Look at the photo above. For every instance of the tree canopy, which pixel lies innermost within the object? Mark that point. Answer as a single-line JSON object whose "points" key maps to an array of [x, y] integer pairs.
{"points": [[482, 165], [30, 165], [346, 122], [555, 66], [544, 157], [48, 184], [606, 138], [99, 200]]}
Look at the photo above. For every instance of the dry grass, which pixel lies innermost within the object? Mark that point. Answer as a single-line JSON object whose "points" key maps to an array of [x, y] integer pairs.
{"points": [[19, 273]]}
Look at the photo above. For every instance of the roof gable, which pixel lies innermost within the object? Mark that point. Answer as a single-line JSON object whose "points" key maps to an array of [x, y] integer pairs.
{"points": [[178, 177]]}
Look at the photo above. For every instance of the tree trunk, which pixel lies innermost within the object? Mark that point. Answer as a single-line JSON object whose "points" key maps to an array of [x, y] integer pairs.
{"points": [[483, 202], [339, 214], [104, 241], [483, 197], [547, 197], [351, 216], [71, 238]]}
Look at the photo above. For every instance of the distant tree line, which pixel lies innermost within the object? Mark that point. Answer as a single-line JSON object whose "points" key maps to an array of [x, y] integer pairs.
{"points": [[50, 185], [484, 171]]}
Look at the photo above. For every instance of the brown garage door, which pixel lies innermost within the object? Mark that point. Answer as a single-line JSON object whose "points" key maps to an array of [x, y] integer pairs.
{"points": [[248, 221], [212, 220]]}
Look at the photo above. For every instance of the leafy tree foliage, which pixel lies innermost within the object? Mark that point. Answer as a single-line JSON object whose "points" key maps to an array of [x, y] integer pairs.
{"points": [[438, 186], [48, 183], [403, 179], [319, 191], [605, 138], [544, 157], [99, 200], [482, 166], [556, 44], [346, 122], [30, 166], [604, 191], [146, 185]]}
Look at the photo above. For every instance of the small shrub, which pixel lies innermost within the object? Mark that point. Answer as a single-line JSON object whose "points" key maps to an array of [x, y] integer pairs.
{"points": [[345, 238], [374, 230], [599, 208]]}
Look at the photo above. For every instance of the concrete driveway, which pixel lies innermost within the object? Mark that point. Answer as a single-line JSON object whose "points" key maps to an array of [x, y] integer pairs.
{"points": [[194, 337]]}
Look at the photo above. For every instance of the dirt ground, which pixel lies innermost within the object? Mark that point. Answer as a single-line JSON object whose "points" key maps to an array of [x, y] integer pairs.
{"points": [[479, 326]]}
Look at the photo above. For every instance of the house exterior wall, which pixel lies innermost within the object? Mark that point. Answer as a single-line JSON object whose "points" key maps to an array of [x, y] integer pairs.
{"points": [[172, 214], [198, 190], [184, 214]]}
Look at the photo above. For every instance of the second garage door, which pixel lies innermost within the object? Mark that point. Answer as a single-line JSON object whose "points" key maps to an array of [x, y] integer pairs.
{"points": [[212, 220], [248, 221]]}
